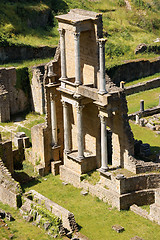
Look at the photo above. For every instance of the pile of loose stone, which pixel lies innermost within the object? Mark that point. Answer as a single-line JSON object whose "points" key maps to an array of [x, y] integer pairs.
{"points": [[30, 213], [152, 122]]}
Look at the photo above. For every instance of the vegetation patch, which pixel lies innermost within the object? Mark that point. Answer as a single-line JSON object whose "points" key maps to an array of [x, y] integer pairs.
{"points": [[92, 177], [150, 97]]}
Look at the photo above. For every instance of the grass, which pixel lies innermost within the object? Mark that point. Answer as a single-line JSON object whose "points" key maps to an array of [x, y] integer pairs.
{"points": [[94, 216], [27, 63], [150, 97], [21, 229], [92, 177], [147, 136], [123, 29], [144, 79]]}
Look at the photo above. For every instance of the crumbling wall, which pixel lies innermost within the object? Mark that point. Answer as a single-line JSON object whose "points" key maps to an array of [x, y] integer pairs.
{"points": [[4, 106], [6, 155], [10, 191], [134, 69], [18, 101]]}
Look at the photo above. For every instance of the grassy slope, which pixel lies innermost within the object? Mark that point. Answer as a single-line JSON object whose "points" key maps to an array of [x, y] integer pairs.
{"points": [[150, 97], [94, 216], [124, 29]]}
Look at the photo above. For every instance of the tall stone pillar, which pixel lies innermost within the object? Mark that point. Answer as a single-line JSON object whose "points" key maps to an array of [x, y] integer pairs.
{"points": [[104, 153], [67, 138], [53, 120], [102, 83], [42, 95], [80, 132], [142, 105], [63, 54], [77, 59]]}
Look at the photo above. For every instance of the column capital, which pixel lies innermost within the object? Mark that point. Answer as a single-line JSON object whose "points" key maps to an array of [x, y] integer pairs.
{"points": [[76, 36], [79, 108], [102, 42], [64, 104], [102, 119], [61, 32]]}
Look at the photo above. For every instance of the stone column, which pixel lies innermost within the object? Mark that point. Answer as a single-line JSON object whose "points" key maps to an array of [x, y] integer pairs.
{"points": [[43, 95], [63, 54], [77, 59], [80, 132], [104, 153], [142, 105], [102, 83], [67, 142], [53, 120]]}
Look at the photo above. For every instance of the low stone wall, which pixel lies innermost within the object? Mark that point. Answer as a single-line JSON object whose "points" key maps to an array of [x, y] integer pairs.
{"points": [[17, 53], [145, 113], [134, 69], [10, 191], [67, 217], [111, 195], [154, 83]]}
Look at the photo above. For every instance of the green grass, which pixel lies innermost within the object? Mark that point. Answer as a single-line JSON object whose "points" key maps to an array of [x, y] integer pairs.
{"points": [[94, 216], [147, 136], [150, 97], [21, 229], [123, 29], [145, 79], [92, 177], [27, 63]]}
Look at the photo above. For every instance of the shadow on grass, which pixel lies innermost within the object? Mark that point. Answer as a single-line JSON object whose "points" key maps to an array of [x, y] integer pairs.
{"points": [[25, 180]]}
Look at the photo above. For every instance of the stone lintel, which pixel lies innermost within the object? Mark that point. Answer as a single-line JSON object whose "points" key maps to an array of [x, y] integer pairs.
{"points": [[52, 85]]}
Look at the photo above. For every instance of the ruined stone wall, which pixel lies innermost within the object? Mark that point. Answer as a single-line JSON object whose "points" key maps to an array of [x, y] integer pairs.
{"points": [[122, 136], [6, 155], [37, 89], [10, 191], [17, 99], [26, 52], [4, 107], [154, 83], [134, 69]]}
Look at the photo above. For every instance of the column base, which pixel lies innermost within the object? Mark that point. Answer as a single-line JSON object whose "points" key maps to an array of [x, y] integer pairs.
{"points": [[67, 152], [77, 83], [102, 92], [104, 169]]}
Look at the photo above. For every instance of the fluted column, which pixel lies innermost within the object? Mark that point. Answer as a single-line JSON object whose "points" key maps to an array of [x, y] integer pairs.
{"points": [[53, 120], [102, 83], [67, 139], [63, 54], [77, 59], [104, 153], [80, 132]]}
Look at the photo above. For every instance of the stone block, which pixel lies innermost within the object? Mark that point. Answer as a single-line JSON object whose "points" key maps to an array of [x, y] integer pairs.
{"points": [[55, 167], [118, 228], [26, 142], [2, 213], [9, 217]]}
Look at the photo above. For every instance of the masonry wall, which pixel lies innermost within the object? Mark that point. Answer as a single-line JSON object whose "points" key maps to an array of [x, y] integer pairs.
{"points": [[4, 107], [17, 99], [10, 192], [6, 155], [134, 69]]}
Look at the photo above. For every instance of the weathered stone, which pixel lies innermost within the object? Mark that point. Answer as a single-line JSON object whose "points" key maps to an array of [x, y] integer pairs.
{"points": [[29, 218], [140, 48], [46, 225], [136, 238], [9, 217], [120, 176], [118, 228], [2, 213], [84, 193]]}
